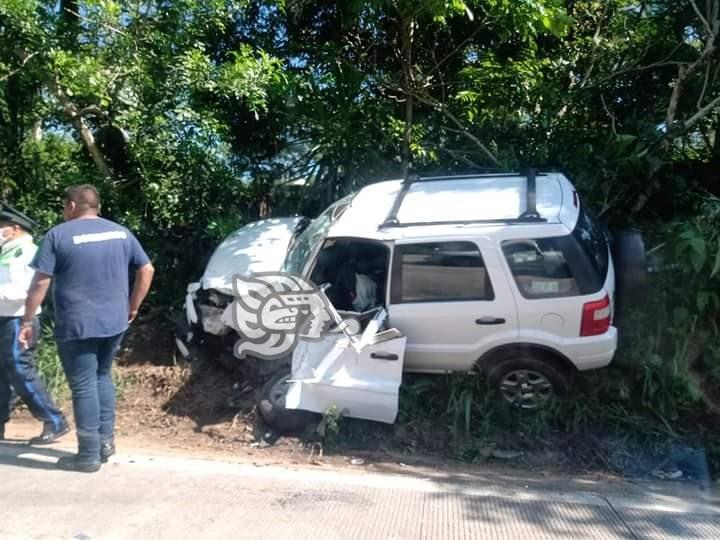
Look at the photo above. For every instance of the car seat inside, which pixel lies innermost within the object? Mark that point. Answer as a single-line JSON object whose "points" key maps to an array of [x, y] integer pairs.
{"points": [[356, 272]]}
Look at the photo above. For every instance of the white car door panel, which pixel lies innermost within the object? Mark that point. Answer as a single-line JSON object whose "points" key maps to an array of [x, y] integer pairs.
{"points": [[449, 297]]}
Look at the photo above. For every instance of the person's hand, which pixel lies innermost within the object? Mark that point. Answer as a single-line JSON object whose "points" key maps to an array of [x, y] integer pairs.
{"points": [[25, 336], [132, 314]]}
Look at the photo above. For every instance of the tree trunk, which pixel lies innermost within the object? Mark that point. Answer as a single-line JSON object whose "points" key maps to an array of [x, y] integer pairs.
{"points": [[83, 130], [406, 38], [76, 119], [674, 99], [37, 131]]}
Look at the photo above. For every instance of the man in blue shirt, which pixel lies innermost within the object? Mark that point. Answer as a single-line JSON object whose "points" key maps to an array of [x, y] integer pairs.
{"points": [[89, 258]]}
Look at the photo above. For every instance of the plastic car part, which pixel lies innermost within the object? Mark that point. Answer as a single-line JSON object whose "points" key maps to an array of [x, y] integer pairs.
{"points": [[595, 317], [361, 375]]}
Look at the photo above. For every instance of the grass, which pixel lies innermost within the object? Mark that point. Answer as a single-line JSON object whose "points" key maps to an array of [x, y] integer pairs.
{"points": [[51, 371], [49, 368], [601, 422]]}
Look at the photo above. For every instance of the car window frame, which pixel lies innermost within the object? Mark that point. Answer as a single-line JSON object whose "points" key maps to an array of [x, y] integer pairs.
{"points": [[312, 262], [598, 229], [577, 259], [395, 285], [332, 213]]}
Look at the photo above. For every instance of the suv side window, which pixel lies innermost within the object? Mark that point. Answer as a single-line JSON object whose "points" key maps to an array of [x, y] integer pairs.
{"points": [[552, 267], [439, 272]]}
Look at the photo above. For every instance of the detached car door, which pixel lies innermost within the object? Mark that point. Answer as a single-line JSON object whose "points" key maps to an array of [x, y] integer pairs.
{"points": [[451, 299]]}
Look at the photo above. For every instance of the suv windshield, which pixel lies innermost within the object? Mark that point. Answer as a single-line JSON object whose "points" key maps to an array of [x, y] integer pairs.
{"points": [[313, 236]]}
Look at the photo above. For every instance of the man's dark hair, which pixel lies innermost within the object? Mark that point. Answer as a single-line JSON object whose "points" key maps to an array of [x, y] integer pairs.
{"points": [[85, 196]]}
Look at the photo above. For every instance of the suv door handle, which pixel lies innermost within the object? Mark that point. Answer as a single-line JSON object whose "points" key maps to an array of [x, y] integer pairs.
{"points": [[383, 356], [490, 320]]}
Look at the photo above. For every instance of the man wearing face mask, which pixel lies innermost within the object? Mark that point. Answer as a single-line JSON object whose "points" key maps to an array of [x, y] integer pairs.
{"points": [[17, 369]]}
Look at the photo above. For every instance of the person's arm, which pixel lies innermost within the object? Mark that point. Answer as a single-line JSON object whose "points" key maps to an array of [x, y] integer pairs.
{"points": [[35, 296], [143, 280]]}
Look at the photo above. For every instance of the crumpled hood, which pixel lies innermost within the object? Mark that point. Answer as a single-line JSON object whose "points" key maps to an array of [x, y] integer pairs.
{"points": [[260, 246]]}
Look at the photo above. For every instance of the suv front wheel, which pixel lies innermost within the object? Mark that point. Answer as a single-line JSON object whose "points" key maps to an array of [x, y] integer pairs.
{"points": [[527, 381], [271, 405]]}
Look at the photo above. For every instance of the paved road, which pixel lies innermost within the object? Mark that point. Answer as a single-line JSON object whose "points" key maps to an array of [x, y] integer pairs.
{"points": [[145, 497]]}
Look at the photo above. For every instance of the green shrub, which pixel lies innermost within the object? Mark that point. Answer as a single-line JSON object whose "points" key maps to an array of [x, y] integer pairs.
{"points": [[49, 367]]}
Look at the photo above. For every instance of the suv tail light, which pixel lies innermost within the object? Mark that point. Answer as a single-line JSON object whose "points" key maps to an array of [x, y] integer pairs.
{"points": [[595, 318]]}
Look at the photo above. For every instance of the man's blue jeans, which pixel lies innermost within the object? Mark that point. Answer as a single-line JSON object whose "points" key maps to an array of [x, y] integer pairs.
{"points": [[88, 366]]}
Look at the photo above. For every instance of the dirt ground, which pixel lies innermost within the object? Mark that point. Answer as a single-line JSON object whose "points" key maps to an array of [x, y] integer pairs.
{"points": [[165, 402], [165, 406]]}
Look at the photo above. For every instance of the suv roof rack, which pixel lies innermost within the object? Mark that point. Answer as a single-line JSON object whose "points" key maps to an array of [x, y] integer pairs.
{"points": [[530, 215]]}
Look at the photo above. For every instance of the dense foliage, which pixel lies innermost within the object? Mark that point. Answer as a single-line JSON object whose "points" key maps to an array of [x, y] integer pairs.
{"points": [[196, 116]]}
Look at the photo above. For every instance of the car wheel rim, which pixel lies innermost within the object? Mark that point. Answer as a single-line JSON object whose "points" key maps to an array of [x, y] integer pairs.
{"points": [[526, 388], [278, 392]]}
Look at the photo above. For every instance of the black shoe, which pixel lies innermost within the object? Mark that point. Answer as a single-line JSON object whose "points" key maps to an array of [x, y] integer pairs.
{"points": [[73, 463], [106, 450], [50, 434]]}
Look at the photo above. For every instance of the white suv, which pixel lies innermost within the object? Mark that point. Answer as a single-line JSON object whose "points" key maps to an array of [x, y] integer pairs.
{"points": [[506, 273]]}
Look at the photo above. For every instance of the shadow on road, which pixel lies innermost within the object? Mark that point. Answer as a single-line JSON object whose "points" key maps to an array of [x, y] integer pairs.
{"points": [[572, 519], [17, 453]]}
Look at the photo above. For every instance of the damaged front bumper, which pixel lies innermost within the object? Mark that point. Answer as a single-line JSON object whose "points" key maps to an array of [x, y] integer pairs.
{"points": [[202, 321]]}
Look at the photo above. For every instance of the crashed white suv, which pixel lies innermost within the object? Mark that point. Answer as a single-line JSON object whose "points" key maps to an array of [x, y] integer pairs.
{"points": [[505, 273]]}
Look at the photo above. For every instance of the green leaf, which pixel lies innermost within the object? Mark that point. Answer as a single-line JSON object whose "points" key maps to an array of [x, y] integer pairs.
{"points": [[698, 255], [680, 315]]}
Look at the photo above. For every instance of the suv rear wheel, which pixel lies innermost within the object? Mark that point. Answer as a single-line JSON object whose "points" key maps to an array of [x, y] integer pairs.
{"points": [[527, 381]]}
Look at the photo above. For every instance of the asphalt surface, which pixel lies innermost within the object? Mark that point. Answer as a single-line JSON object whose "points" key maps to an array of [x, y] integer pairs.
{"points": [[148, 497]]}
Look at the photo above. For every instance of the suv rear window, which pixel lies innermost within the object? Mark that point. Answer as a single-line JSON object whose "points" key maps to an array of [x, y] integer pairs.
{"points": [[572, 265], [540, 268], [439, 272]]}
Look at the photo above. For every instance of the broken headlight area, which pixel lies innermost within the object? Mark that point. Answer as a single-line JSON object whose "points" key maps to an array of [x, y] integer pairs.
{"points": [[202, 322], [213, 298], [211, 320], [209, 306]]}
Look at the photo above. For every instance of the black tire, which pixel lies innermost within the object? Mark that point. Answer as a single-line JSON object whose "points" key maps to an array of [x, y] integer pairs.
{"points": [[271, 407], [518, 378], [630, 262]]}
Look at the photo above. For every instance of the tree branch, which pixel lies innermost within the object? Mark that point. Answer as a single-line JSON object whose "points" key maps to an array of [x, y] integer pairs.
{"points": [[610, 115], [25, 60], [705, 85], [699, 115], [459, 46], [406, 42], [459, 157], [462, 130], [78, 122], [675, 98], [596, 46], [106, 25], [92, 110], [75, 117], [703, 20]]}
